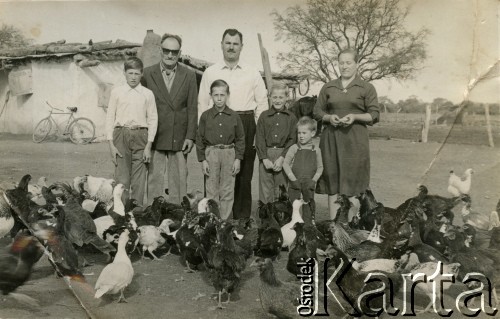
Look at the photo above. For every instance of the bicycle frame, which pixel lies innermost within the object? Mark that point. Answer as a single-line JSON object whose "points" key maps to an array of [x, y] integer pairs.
{"points": [[70, 119]]}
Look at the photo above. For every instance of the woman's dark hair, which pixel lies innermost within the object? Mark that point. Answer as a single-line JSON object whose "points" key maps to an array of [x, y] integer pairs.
{"points": [[233, 32], [133, 63], [219, 84], [352, 51]]}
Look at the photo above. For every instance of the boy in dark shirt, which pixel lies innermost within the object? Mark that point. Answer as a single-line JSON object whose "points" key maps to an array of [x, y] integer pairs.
{"points": [[220, 145], [276, 132]]}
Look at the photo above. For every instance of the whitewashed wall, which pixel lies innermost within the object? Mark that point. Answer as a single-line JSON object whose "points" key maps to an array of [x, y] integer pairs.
{"points": [[62, 84]]}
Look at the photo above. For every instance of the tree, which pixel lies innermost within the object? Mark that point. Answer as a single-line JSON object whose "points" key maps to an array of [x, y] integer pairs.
{"points": [[12, 37], [321, 29]]}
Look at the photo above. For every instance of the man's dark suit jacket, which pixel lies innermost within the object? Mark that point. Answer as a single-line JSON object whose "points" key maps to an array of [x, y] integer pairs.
{"points": [[177, 109]]}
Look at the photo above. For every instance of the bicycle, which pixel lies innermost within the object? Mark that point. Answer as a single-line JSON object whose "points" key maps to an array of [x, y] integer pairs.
{"points": [[81, 130]]}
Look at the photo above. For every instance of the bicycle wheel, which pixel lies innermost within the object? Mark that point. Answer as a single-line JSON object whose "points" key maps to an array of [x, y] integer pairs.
{"points": [[81, 131], [42, 130]]}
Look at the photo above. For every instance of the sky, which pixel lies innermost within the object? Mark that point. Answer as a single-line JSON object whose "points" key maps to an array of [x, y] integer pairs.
{"points": [[461, 31]]}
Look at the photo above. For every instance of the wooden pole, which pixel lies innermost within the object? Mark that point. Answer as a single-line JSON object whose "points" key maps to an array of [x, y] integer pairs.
{"points": [[488, 124], [425, 129], [266, 64]]}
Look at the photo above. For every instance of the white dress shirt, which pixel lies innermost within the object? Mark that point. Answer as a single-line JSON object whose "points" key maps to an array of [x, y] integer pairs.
{"points": [[132, 107], [246, 87]]}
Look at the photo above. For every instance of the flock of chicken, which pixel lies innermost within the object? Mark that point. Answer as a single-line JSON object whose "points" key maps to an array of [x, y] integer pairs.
{"points": [[59, 219]]}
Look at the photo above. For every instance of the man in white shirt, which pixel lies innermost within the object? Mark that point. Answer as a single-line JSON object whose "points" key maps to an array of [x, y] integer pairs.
{"points": [[248, 98], [131, 124]]}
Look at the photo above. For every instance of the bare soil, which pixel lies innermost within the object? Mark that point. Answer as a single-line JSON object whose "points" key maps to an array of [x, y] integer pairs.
{"points": [[161, 289]]}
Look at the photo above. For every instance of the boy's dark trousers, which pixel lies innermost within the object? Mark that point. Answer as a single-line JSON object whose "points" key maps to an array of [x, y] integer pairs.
{"points": [[131, 170]]}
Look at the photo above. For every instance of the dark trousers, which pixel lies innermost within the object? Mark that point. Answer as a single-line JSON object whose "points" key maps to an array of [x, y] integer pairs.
{"points": [[242, 206]]}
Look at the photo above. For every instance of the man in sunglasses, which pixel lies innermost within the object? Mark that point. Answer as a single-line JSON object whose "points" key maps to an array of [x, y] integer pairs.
{"points": [[176, 94], [249, 99]]}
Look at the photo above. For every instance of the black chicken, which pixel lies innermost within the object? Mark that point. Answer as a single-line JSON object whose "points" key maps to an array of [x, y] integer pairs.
{"points": [[306, 242], [25, 210], [283, 207], [189, 243], [79, 227], [16, 265], [63, 255], [152, 215], [270, 238], [225, 262]]}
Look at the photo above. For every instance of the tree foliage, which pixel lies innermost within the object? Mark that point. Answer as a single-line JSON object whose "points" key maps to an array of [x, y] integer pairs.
{"points": [[12, 37], [317, 32]]}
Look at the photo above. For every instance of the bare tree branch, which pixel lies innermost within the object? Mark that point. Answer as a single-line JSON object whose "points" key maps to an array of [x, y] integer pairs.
{"points": [[318, 31]]}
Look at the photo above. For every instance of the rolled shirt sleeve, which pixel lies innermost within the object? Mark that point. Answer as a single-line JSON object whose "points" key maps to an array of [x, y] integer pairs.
{"points": [[260, 94]]}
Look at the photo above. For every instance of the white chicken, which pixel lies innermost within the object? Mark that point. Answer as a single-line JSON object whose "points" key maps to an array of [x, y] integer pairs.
{"points": [[101, 189], [150, 237], [104, 222], [459, 186], [203, 206], [287, 230], [115, 277]]}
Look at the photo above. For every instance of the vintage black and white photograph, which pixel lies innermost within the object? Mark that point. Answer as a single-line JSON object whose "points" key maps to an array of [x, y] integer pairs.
{"points": [[249, 159]]}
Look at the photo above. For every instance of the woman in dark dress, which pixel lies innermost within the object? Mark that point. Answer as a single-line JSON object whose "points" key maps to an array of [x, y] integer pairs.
{"points": [[345, 106]]}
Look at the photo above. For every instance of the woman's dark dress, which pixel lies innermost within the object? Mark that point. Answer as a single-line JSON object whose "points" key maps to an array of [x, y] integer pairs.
{"points": [[345, 150]]}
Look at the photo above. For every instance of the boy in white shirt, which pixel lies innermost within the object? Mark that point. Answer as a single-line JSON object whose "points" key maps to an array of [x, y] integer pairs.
{"points": [[131, 124]]}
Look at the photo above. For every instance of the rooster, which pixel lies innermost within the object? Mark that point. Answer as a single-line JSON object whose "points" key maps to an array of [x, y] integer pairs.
{"points": [[460, 186]]}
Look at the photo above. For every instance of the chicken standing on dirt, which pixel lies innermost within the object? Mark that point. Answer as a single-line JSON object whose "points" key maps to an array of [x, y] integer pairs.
{"points": [[226, 263], [277, 298], [116, 276]]}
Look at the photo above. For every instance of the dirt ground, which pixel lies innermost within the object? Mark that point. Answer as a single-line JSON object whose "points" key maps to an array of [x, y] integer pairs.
{"points": [[161, 289]]}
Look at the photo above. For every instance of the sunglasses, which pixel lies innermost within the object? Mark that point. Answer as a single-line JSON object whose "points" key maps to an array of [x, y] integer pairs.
{"points": [[167, 51]]}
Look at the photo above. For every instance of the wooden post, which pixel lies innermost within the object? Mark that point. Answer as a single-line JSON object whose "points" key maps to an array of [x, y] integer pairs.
{"points": [[266, 64], [425, 129], [488, 124]]}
